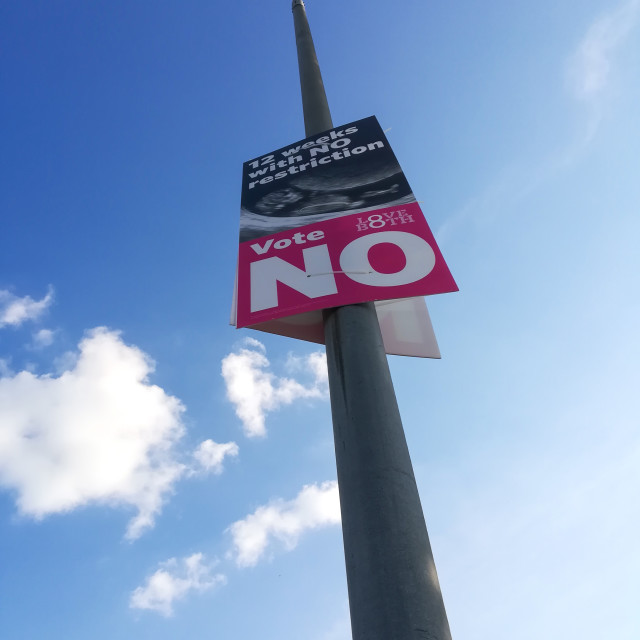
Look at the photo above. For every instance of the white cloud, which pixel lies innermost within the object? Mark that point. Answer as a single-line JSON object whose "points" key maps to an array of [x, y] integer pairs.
{"points": [[315, 506], [255, 391], [14, 311], [173, 581], [65, 362], [210, 455], [315, 363], [5, 368], [590, 66], [98, 433], [43, 338]]}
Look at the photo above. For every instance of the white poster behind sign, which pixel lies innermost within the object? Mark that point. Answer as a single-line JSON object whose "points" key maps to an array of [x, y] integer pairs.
{"points": [[405, 326]]}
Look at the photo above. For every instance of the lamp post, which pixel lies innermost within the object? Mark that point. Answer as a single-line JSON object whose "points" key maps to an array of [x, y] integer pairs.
{"points": [[394, 592]]}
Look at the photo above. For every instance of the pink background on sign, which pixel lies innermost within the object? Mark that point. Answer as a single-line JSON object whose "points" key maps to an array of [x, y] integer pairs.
{"points": [[338, 233]]}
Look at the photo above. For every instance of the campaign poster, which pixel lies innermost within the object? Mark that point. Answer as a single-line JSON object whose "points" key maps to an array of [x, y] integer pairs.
{"points": [[328, 221]]}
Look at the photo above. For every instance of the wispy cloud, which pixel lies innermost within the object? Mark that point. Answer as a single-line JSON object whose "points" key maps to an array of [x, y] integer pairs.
{"points": [[14, 310], [284, 521], [99, 433], [210, 455], [43, 338], [5, 368], [590, 65], [588, 72], [255, 391], [174, 581]]}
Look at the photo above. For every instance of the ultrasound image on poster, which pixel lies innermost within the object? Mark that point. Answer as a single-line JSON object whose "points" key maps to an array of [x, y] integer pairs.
{"points": [[345, 170]]}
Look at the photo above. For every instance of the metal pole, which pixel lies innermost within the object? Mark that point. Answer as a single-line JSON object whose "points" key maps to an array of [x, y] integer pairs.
{"points": [[394, 592]]}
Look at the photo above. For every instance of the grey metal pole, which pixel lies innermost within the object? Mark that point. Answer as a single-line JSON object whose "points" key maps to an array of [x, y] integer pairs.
{"points": [[394, 592], [315, 107]]}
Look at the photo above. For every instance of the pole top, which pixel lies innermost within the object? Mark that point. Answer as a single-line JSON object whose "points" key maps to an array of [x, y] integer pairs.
{"points": [[295, 3]]}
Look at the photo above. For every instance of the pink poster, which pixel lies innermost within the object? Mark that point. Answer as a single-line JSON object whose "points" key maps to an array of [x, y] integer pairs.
{"points": [[380, 254]]}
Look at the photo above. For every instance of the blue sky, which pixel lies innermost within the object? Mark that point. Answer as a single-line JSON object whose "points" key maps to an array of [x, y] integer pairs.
{"points": [[163, 475]]}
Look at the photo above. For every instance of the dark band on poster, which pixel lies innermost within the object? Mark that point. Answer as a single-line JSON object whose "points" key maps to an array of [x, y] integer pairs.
{"points": [[345, 170]]}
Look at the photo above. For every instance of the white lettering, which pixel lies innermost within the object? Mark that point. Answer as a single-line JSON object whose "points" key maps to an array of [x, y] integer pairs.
{"points": [[375, 221], [342, 142], [298, 238], [283, 243], [419, 256], [260, 250], [265, 275], [315, 235], [291, 152], [321, 149]]}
